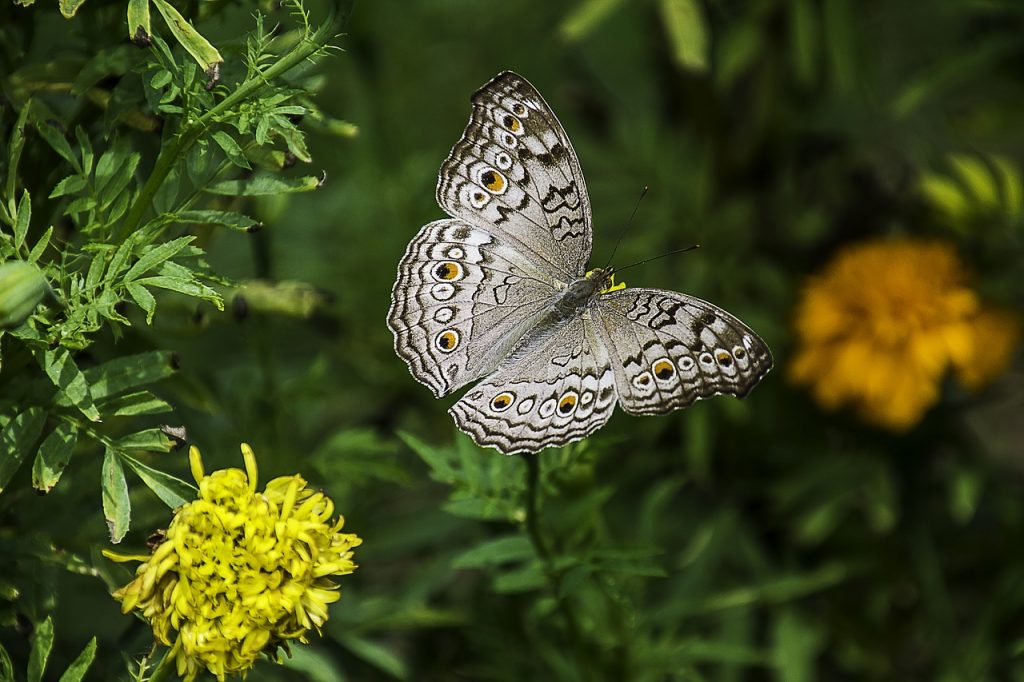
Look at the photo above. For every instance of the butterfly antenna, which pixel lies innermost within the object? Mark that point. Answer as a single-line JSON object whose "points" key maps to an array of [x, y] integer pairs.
{"points": [[625, 229], [664, 255]]}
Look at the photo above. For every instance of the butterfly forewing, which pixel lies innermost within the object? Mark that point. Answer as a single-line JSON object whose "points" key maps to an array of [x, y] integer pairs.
{"points": [[669, 350], [515, 171], [462, 299]]}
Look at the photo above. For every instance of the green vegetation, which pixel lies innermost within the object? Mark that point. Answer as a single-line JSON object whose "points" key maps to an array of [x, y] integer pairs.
{"points": [[202, 206]]}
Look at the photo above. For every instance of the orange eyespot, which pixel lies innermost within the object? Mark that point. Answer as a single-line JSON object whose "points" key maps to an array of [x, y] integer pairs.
{"points": [[493, 181], [511, 122], [447, 341], [567, 403], [739, 353], [724, 359], [663, 369], [448, 271], [502, 401]]}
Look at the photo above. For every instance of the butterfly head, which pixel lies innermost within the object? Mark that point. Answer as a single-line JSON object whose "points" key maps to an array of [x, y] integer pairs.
{"points": [[605, 277]]}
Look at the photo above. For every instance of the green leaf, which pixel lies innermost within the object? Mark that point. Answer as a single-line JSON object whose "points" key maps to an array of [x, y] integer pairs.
{"points": [[189, 287], [130, 371], [133, 404], [139, 29], [117, 508], [17, 439], [803, 25], [69, 185], [525, 579], [42, 644], [687, 29], [66, 376], [261, 185], [151, 440], [194, 43], [376, 655], [797, 644], [156, 256], [171, 490], [228, 219], [977, 178], [587, 15], [144, 299], [24, 215], [76, 671], [69, 7], [495, 551], [55, 138], [231, 149], [439, 461], [40, 247], [6, 667], [14, 147], [53, 456]]}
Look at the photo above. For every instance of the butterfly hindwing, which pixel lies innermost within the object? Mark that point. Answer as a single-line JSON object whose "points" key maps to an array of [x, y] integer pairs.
{"points": [[515, 170], [670, 349], [462, 299], [558, 386]]}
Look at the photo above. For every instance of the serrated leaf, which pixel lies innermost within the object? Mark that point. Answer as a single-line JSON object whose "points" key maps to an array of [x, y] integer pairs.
{"points": [[42, 644], [22, 221], [228, 219], [76, 671], [194, 43], [171, 490], [16, 441], [69, 185], [156, 256], [150, 440], [495, 551], [117, 507], [144, 299], [187, 286], [130, 371], [53, 456], [134, 404], [687, 30], [65, 375], [262, 185], [55, 138], [40, 247], [231, 149], [109, 191]]}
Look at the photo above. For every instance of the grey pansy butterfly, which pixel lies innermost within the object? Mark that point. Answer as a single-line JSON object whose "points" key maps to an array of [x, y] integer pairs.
{"points": [[500, 291]]}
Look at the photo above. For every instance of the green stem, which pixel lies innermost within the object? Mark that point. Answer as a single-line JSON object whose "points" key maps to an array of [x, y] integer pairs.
{"points": [[554, 577], [191, 132]]}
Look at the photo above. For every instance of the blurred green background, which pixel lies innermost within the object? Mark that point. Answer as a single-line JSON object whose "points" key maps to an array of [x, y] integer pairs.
{"points": [[762, 539]]}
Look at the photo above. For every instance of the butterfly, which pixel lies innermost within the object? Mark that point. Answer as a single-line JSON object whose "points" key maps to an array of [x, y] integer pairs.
{"points": [[500, 291]]}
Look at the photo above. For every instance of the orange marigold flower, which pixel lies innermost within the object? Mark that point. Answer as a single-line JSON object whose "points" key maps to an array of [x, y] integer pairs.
{"points": [[880, 327]]}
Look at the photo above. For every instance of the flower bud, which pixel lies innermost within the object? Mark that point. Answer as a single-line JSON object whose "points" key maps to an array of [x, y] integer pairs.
{"points": [[22, 287]]}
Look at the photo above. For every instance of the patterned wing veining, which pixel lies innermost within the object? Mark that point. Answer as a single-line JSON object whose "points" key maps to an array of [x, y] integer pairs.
{"points": [[462, 300], [557, 387], [515, 171], [670, 349]]}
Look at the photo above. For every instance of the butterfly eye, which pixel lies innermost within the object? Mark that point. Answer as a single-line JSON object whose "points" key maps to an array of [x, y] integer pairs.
{"points": [[447, 341], [568, 403], [502, 401], [664, 369], [448, 272], [493, 181]]}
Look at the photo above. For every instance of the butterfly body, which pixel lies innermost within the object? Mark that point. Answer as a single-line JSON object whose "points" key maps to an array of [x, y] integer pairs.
{"points": [[499, 292]]}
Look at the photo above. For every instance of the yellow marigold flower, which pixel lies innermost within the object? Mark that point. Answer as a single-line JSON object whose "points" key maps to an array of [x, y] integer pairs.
{"points": [[880, 327], [240, 572]]}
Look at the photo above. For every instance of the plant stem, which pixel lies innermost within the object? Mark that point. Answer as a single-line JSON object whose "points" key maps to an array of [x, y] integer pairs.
{"points": [[191, 132], [164, 668], [554, 577]]}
